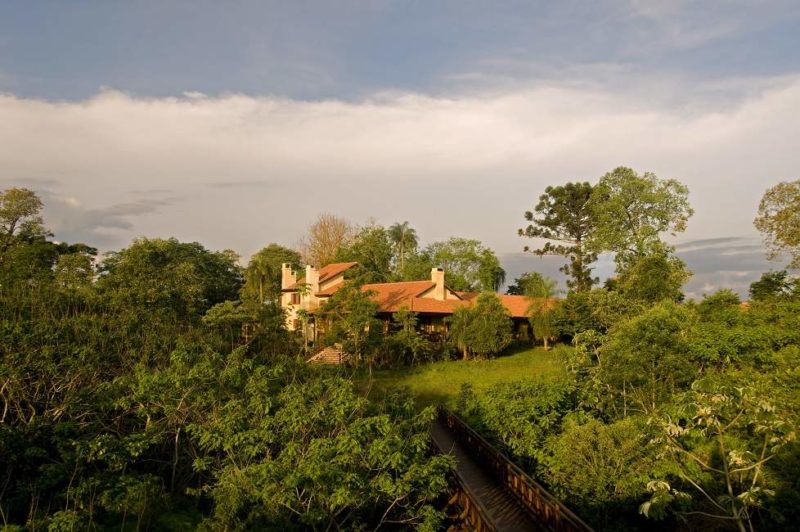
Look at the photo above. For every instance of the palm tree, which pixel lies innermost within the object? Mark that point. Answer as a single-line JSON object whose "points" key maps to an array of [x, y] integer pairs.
{"points": [[540, 291], [404, 239]]}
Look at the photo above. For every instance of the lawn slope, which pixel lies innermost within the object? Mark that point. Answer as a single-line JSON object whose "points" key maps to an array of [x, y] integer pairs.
{"points": [[440, 382]]}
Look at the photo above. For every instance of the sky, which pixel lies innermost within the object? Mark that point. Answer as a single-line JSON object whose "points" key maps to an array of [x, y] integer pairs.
{"points": [[236, 123]]}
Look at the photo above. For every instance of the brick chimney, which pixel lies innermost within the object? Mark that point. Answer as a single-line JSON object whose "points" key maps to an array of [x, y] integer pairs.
{"points": [[312, 279], [288, 277], [437, 277]]}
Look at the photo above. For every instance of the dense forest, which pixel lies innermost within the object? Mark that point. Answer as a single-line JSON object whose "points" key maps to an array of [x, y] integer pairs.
{"points": [[157, 388]]}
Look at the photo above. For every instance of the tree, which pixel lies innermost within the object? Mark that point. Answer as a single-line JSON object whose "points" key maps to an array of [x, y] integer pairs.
{"points": [[263, 273], [405, 344], [491, 275], [773, 285], [19, 217], [488, 331], [350, 320], [519, 286], [598, 466], [540, 291], [404, 240], [523, 415], [648, 358], [564, 215], [458, 330], [315, 454], [655, 276], [631, 211], [325, 236], [722, 440], [371, 248], [779, 220], [468, 265], [596, 310], [74, 270], [171, 279]]}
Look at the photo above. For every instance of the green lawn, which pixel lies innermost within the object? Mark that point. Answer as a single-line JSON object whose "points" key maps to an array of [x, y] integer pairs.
{"points": [[440, 382]]}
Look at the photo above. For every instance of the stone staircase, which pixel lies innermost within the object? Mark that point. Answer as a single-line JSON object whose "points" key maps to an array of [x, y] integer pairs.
{"points": [[328, 355]]}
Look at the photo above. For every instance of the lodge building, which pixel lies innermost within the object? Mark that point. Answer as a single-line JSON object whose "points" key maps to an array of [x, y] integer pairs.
{"points": [[431, 300]]}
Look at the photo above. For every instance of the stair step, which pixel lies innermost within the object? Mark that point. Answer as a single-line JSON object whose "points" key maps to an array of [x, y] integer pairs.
{"points": [[329, 355]]}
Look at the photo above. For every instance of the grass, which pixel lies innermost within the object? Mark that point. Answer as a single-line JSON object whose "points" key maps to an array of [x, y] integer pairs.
{"points": [[440, 382]]}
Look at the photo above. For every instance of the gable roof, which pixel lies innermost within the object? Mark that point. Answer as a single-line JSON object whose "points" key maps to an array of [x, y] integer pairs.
{"points": [[332, 270], [391, 297], [326, 273], [517, 306]]}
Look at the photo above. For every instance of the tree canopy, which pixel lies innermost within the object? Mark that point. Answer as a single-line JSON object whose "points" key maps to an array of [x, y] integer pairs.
{"points": [[483, 329], [262, 277], [371, 248], [324, 238], [779, 220], [468, 265], [564, 215], [632, 211]]}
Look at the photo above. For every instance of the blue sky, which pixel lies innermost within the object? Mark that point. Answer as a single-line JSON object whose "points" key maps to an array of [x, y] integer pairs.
{"points": [[348, 49], [141, 118]]}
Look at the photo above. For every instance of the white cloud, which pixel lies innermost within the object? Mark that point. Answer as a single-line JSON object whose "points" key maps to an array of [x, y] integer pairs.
{"points": [[467, 164]]}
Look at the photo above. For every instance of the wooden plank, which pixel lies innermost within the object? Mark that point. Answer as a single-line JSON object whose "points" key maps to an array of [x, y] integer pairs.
{"points": [[502, 508]]}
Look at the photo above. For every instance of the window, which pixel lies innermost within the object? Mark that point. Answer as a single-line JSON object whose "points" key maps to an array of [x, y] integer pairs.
{"points": [[296, 298]]}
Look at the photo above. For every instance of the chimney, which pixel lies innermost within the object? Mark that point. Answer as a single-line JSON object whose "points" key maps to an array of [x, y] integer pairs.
{"points": [[288, 277], [312, 279], [437, 277]]}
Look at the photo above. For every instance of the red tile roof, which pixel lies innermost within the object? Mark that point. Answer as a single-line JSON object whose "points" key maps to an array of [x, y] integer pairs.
{"points": [[391, 297], [426, 305], [329, 291], [517, 306], [326, 273], [332, 270]]}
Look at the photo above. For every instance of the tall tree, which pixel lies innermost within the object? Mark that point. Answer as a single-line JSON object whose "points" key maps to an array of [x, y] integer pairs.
{"points": [[517, 288], [541, 290], [468, 265], [350, 320], [563, 216], [173, 280], [325, 236], [404, 240], [774, 285], [653, 277], [490, 329], [371, 248], [779, 220], [482, 329], [19, 217], [491, 275], [263, 274], [631, 211]]}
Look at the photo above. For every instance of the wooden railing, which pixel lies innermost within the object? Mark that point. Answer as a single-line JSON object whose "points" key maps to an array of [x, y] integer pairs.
{"points": [[536, 500], [473, 513]]}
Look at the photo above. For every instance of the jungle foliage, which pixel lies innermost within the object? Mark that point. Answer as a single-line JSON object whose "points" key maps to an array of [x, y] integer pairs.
{"points": [[161, 391]]}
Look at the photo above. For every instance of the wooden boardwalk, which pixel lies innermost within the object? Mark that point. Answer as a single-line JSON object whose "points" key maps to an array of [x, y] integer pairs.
{"points": [[493, 493], [502, 508]]}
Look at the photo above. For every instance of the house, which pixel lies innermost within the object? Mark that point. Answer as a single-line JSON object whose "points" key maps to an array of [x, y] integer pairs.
{"points": [[431, 300]]}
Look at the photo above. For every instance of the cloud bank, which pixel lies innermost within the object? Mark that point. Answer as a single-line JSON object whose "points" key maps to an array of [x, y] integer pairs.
{"points": [[241, 171]]}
